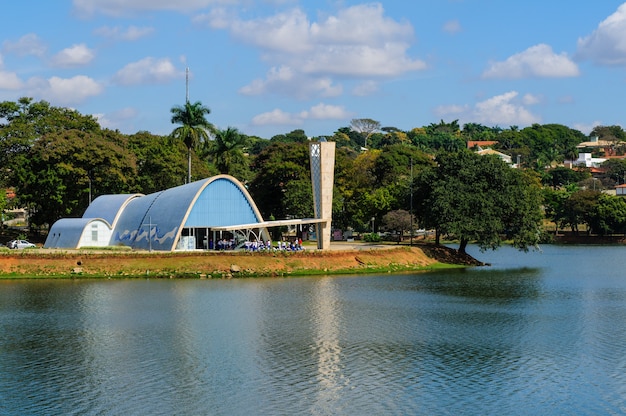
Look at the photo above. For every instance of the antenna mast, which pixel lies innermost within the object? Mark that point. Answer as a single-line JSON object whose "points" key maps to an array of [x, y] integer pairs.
{"points": [[187, 84]]}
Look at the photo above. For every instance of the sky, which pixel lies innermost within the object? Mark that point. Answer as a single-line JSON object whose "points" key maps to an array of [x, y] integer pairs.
{"points": [[269, 67]]}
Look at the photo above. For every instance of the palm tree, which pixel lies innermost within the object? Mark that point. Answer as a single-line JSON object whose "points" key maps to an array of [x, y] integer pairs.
{"points": [[227, 149], [194, 127]]}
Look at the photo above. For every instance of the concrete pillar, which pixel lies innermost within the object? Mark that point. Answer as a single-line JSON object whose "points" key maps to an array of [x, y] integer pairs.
{"points": [[322, 156]]}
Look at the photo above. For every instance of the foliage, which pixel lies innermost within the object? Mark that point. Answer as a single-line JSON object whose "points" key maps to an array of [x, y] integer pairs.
{"points": [[3, 205], [615, 169], [194, 127], [562, 176], [579, 208], [24, 122], [276, 167], [63, 169], [609, 216], [399, 221], [371, 237], [227, 152], [365, 127], [296, 136], [53, 157], [159, 166], [479, 198]]}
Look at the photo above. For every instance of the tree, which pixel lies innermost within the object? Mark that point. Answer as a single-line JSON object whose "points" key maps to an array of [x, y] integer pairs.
{"points": [[194, 127], [227, 150], [615, 169], [63, 168], [610, 215], [479, 198], [296, 136], [159, 166], [3, 205], [580, 208], [562, 176], [398, 220], [550, 143], [276, 167], [24, 122], [443, 127], [366, 127]]}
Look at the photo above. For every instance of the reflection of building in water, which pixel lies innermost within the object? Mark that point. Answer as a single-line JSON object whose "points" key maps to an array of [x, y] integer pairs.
{"points": [[327, 321]]}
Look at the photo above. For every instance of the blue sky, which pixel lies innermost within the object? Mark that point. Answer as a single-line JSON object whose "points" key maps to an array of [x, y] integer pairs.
{"points": [[269, 67]]}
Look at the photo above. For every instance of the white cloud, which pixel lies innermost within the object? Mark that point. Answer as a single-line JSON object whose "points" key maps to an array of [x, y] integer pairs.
{"points": [[365, 88], [147, 71], [276, 117], [10, 81], [116, 119], [531, 99], [64, 91], [503, 110], [88, 8], [29, 44], [607, 44], [318, 112], [287, 81], [325, 112], [452, 27], [587, 128], [131, 33], [537, 61], [375, 46], [76, 55]]}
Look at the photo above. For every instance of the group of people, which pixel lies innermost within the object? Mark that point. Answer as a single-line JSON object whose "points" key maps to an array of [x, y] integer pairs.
{"points": [[291, 245], [223, 244]]}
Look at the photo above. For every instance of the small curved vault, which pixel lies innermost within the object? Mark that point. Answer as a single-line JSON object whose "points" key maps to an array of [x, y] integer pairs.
{"points": [[191, 216]]}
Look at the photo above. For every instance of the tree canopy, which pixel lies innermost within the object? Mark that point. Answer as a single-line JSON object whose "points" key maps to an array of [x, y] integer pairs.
{"points": [[56, 158], [194, 127], [479, 198]]}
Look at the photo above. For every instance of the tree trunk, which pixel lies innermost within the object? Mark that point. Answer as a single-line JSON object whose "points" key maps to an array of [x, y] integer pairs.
{"points": [[189, 165], [437, 236], [463, 245]]}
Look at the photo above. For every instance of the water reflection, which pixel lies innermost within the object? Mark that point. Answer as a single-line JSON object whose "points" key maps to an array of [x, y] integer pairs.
{"points": [[506, 339], [487, 284], [326, 317]]}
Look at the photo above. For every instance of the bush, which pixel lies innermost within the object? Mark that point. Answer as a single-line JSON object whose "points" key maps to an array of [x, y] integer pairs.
{"points": [[372, 238]]}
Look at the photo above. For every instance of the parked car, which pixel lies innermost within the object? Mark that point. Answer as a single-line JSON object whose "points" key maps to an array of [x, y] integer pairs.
{"points": [[19, 244]]}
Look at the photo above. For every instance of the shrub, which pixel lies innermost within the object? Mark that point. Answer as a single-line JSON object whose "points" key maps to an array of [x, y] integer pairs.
{"points": [[372, 238]]}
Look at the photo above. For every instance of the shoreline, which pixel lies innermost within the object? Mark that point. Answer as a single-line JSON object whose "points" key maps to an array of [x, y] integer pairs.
{"points": [[340, 259]]}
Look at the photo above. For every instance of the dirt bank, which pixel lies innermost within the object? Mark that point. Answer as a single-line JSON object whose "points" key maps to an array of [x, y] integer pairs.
{"points": [[89, 263]]}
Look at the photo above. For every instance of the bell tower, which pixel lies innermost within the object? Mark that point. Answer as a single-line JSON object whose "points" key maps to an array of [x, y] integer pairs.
{"points": [[322, 155]]}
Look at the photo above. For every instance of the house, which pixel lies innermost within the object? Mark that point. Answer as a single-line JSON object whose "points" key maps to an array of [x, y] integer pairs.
{"points": [[501, 155]]}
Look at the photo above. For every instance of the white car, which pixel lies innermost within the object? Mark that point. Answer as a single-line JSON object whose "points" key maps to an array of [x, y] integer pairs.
{"points": [[20, 244]]}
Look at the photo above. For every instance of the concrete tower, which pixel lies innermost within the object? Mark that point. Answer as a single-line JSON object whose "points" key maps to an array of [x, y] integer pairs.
{"points": [[322, 156]]}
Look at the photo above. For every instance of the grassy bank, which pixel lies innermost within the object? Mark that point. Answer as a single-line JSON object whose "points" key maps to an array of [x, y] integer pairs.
{"points": [[43, 263]]}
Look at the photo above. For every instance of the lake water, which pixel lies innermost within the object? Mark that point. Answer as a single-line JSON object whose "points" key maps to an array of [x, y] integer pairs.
{"points": [[536, 333]]}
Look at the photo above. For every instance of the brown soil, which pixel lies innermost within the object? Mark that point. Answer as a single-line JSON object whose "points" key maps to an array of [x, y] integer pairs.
{"points": [[87, 263]]}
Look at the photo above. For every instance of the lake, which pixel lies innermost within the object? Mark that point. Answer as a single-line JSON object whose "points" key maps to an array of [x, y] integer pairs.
{"points": [[535, 333]]}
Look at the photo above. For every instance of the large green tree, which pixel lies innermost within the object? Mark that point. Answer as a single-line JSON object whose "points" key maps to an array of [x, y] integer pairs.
{"points": [[365, 127], [227, 152], [610, 215], [159, 166], [63, 170], [481, 199], [282, 183], [193, 127], [24, 122]]}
